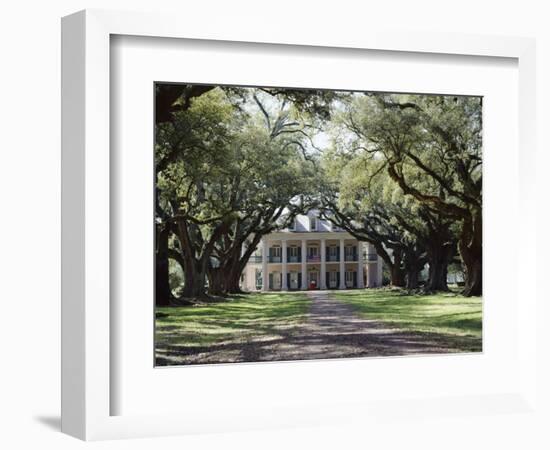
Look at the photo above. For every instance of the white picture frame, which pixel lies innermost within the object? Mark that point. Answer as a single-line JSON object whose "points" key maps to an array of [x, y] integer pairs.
{"points": [[86, 220]]}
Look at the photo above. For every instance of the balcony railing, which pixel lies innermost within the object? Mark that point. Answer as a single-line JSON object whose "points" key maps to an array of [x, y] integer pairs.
{"points": [[369, 257]]}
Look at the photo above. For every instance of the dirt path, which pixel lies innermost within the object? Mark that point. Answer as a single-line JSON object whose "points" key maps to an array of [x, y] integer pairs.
{"points": [[332, 330]]}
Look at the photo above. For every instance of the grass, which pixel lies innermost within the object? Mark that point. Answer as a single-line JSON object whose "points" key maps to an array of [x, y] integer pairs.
{"points": [[242, 327], [456, 319], [235, 320]]}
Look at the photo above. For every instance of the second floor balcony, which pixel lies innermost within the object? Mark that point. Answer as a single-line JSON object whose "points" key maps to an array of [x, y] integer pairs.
{"points": [[258, 259], [315, 258]]}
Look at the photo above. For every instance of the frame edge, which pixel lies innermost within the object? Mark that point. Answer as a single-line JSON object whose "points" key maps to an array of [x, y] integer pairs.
{"points": [[73, 117], [90, 419]]}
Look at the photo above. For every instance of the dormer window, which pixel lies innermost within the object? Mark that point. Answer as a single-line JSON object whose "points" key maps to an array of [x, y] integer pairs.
{"points": [[292, 226], [313, 223]]}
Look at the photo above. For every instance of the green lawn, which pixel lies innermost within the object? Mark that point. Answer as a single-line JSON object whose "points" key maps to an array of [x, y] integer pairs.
{"points": [[230, 321], [455, 318]]}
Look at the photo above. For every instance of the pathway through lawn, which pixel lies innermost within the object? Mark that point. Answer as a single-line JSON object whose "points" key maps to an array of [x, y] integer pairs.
{"points": [[332, 329]]}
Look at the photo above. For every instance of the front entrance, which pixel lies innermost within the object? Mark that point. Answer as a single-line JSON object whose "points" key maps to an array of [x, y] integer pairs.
{"points": [[313, 279]]}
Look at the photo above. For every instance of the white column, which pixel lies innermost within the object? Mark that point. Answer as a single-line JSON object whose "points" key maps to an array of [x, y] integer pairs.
{"points": [[322, 275], [379, 271], [342, 266], [304, 264], [360, 270], [284, 285], [372, 271], [265, 275]]}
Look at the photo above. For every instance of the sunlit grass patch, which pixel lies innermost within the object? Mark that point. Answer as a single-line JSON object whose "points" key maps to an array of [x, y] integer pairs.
{"points": [[234, 320], [456, 318]]}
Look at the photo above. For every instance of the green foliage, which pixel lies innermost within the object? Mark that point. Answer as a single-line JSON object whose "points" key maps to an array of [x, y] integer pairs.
{"points": [[404, 171], [218, 163], [433, 143], [235, 163]]}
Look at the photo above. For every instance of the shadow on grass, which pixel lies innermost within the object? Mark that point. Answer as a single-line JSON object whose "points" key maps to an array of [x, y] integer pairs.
{"points": [[447, 313], [269, 327], [238, 318], [305, 347]]}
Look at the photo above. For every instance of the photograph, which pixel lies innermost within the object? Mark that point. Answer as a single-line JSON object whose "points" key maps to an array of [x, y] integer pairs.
{"points": [[294, 223]]}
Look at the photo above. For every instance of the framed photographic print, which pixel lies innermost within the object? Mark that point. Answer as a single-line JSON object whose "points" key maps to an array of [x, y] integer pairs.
{"points": [[288, 219], [306, 218]]}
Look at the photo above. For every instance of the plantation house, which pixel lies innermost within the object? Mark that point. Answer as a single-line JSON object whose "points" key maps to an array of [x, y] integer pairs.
{"points": [[312, 254]]}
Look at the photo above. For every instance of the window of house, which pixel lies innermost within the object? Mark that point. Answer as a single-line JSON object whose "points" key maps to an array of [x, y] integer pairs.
{"points": [[333, 279], [293, 251], [275, 254], [349, 279], [349, 252], [313, 251], [313, 223]]}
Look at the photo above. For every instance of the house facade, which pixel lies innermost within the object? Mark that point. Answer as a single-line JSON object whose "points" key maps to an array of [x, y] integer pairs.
{"points": [[312, 254]]}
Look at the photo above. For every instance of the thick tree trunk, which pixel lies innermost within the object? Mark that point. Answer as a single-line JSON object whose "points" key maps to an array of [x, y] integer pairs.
{"points": [[414, 262], [234, 286], [195, 281], [195, 267], [216, 281], [163, 294], [397, 276], [439, 257], [412, 278], [232, 270], [472, 256], [397, 273], [473, 285], [236, 265], [437, 280]]}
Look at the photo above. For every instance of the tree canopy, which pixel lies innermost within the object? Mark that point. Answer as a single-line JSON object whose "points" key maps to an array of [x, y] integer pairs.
{"points": [[233, 175], [402, 172], [414, 162]]}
